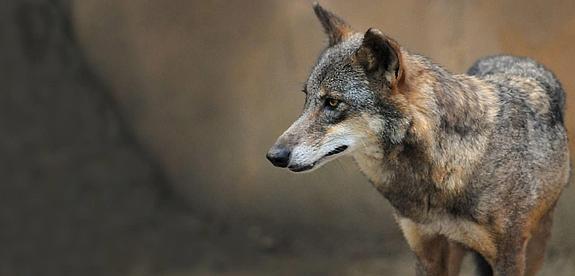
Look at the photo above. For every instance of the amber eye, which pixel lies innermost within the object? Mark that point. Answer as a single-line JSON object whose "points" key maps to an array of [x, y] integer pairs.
{"points": [[331, 102]]}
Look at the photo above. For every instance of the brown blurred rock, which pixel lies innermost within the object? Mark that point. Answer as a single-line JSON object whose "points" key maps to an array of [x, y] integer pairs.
{"points": [[75, 191]]}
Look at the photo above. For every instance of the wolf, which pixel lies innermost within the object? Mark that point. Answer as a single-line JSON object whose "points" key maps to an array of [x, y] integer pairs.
{"points": [[470, 162]]}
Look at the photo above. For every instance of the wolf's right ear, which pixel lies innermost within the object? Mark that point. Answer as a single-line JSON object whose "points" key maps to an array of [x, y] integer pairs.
{"points": [[380, 56], [335, 28]]}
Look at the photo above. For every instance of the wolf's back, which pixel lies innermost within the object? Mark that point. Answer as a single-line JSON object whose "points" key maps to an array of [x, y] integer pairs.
{"points": [[527, 68]]}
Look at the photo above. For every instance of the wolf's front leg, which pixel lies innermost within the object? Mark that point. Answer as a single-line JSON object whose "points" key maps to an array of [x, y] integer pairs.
{"points": [[511, 257], [436, 256]]}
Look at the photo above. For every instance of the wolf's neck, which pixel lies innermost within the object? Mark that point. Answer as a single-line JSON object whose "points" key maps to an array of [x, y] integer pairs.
{"points": [[452, 117]]}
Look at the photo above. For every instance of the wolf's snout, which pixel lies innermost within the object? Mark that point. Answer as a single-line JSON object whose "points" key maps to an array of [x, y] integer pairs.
{"points": [[279, 156]]}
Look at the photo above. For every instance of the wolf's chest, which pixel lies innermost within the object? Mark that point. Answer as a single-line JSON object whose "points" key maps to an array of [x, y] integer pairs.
{"points": [[407, 201], [411, 196]]}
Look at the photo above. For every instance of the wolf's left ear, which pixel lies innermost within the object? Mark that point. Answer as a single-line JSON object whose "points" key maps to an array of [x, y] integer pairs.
{"points": [[381, 56], [335, 28]]}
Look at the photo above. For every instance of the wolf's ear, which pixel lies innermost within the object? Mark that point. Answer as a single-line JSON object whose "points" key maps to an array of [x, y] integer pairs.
{"points": [[380, 56], [335, 28]]}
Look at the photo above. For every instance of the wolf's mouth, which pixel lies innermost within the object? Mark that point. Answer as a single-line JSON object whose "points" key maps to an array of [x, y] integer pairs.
{"points": [[301, 168], [335, 151]]}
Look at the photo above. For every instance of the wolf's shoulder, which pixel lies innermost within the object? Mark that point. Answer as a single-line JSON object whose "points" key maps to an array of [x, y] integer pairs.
{"points": [[522, 77]]}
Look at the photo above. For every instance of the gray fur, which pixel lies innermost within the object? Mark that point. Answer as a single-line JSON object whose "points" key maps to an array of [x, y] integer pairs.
{"points": [[524, 67]]}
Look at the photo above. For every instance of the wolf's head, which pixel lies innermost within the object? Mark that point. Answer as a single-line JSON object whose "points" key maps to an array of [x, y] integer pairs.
{"points": [[349, 99]]}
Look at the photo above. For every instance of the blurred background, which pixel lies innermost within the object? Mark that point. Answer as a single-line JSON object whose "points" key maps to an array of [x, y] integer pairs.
{"points": [[133, 133]]}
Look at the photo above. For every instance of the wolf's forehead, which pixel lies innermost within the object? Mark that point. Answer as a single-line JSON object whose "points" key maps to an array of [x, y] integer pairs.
{"points": [[332, 60]]}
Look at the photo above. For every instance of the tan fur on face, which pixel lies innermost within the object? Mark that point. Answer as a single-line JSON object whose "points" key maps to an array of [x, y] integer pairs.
{"points": [[369, 154]]}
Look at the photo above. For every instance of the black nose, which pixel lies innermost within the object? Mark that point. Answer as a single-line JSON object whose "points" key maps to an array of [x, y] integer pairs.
{"points": [[279, 156]]}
